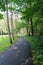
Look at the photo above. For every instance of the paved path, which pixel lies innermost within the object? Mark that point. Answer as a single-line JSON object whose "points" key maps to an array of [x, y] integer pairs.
{"points": [[18, 54]]}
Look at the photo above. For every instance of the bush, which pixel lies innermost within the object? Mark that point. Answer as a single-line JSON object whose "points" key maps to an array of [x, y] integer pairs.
{"points": [[36, 43]]}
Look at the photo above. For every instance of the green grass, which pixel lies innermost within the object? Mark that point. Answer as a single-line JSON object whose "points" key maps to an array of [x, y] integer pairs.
{"points": [[5, 43], [35, 45]]}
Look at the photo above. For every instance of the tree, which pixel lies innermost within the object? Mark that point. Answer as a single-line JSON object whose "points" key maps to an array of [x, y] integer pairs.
{"points": [[30, 9], [12, 28], [4, 7], [25, 7], [8, 24]]}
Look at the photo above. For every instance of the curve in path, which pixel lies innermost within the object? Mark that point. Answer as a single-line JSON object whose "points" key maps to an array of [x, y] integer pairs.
{"points": [[17, 54]]}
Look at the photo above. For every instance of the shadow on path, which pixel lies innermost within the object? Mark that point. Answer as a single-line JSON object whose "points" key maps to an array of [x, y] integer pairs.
{"points": [[17, 54]]}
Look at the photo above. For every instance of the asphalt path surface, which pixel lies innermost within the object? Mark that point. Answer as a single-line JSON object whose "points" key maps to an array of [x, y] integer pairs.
{"points": [[17, 54]]}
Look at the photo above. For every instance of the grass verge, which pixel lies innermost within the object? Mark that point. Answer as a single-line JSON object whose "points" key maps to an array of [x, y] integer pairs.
{"points": [[5, 43]]}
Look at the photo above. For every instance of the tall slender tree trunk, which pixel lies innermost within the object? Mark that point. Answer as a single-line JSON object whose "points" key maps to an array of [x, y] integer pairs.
{"points": [[31, 21], [8, 24], [32, 26], [28, 31], [12, 28]]}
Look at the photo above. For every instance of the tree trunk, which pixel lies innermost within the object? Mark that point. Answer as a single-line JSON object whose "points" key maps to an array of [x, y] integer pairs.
{"points": [[12, 28], [31, 21], [32, 27], [8, 25], [28, 30], [28, 27]]}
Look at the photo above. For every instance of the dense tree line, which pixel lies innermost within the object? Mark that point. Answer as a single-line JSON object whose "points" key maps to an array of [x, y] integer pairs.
{"points": [[31, 10]]}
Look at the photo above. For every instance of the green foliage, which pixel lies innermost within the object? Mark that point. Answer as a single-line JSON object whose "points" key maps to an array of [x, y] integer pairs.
{"points": [[1, 16], [36, 43], [20, 25], [29, 9], [32, 9]]}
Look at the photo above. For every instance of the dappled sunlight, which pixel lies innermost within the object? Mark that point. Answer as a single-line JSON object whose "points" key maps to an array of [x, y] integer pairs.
{"points": [[22, 20]]}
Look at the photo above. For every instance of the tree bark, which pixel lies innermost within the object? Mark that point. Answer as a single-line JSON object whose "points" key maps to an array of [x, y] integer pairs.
{"points": [[28, 31], [8, 24], [32, 27], [31, 21], [12, 28]]}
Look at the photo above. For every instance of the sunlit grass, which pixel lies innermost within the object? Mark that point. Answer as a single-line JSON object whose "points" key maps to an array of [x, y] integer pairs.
{"points": [[5, 43]]}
